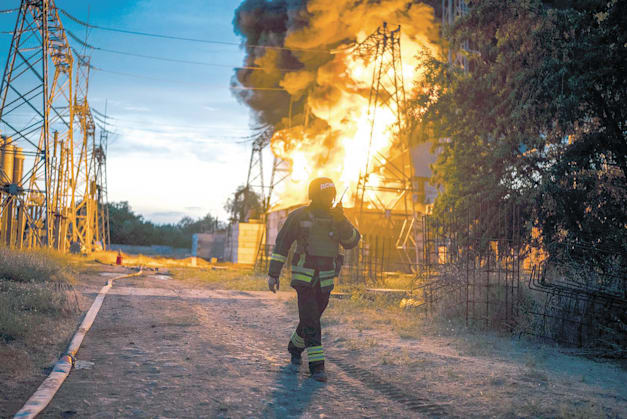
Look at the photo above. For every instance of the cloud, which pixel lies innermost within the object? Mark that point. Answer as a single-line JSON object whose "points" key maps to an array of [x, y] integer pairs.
{"points": [[136, 108]]}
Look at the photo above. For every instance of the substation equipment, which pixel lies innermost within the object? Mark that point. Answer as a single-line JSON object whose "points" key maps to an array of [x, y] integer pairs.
{"points": [[395, 173], [52, 168], [389, 212]]}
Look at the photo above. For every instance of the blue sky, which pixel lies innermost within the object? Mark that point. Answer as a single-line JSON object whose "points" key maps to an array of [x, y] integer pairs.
{"points": [[178, 148]]}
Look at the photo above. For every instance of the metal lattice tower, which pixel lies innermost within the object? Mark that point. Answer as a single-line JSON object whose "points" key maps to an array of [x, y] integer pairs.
{"points": [[84, 199], [386, 181], [255, 178], [103, 233], [46, 176], [255, 181]]}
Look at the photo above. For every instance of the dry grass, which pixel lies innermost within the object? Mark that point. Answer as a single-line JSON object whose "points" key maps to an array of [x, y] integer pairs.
{"points": [[38, 307], [374, 313], [227, 276], [108, 257], [35, 266]]}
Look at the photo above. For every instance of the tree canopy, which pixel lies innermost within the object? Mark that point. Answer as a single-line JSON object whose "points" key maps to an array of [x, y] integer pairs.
{"points": [[537, 117], [243, 204], [127, 227]]}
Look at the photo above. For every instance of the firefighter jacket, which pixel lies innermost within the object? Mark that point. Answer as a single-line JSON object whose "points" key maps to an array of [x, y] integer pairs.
{"points": [[318, 237]]}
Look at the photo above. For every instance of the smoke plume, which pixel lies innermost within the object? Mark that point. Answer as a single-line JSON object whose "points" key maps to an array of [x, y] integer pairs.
{"points": [[309, 88]]}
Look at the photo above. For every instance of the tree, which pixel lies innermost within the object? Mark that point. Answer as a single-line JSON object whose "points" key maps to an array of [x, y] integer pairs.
{"points": [[244, 204], [538, 118], [130, 228], [583, 194]]}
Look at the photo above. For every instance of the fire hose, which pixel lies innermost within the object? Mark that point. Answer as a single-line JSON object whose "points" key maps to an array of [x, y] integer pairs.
{"points": [[61, 369]]}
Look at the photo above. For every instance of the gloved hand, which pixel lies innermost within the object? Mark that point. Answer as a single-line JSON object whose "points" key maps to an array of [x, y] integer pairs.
{"points": [[272, 283], [337, 212]]}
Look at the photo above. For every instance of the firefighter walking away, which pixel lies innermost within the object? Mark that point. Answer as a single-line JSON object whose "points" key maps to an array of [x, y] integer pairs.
{"points": [[318, 230]]}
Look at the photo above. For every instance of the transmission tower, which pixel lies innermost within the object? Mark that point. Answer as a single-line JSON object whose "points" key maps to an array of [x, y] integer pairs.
{"points": [[255, 178], [84, 200], [386, 181], [46, 176], [103, 233]]}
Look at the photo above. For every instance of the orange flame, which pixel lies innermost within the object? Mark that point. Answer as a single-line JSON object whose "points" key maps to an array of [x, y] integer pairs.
{"points": [[342, 151]]}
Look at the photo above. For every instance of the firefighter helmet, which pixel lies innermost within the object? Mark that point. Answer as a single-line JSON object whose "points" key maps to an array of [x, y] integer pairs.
{"points": [[322, 191]]}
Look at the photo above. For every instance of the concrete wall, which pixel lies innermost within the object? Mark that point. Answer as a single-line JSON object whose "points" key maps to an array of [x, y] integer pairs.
{"points": [[422, 159], [242, 242], [209, 245]]}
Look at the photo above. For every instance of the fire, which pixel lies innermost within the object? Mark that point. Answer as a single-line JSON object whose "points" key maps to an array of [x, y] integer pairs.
{"points": [[343, 151], [330, 131]]}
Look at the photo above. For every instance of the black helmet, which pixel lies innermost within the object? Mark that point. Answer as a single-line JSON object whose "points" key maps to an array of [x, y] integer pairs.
{"points": [[322, 192]]}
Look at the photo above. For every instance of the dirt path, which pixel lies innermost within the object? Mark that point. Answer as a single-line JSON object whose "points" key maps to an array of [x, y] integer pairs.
{"points": [[160, 348]]}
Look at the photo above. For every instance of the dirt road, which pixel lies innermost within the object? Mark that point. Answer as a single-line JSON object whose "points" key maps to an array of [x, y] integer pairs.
{"points": [[162, 348]]}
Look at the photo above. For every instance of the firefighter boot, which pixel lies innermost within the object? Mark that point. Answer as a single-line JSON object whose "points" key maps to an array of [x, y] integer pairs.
{"points": [[319, 375], [296, 359]]}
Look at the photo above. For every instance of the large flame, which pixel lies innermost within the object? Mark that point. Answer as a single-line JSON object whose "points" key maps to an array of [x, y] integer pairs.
{"points": [[344, 136]]}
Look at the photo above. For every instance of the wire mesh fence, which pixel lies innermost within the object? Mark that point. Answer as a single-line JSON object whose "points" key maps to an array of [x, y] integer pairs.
{"points": [[580, 305], [455, 263], [479, 265]]}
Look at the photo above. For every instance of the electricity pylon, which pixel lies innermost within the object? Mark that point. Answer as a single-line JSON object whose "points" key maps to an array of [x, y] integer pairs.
{"points": [[103, 233], [255, 178], [255, 181], [46, 176], [84, 197], [386, 183]]}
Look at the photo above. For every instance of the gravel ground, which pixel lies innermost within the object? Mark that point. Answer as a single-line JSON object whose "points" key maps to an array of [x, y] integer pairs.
{"points": [[162, 350], [165, 348]]}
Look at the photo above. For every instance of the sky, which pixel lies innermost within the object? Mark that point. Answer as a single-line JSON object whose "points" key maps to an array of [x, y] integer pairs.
{"points": [[179, 146]]}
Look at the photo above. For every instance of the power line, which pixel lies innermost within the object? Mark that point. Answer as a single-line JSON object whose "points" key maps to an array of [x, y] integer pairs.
{"points": [[118, 120], [180, 38], [167, 59], [94, 110], [141, 76]]}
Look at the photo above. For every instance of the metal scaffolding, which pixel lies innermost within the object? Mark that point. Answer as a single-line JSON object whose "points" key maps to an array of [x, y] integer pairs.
{"points": [[48, 157]]}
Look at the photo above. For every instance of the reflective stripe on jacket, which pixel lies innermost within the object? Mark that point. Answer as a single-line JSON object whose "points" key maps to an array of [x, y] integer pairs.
{"points": [[307, 270]]}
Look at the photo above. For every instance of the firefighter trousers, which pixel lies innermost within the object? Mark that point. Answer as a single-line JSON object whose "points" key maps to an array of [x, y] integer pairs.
{"points": [[311, 304]]}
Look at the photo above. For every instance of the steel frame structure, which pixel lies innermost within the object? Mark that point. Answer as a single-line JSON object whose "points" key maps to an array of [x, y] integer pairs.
{"points": [[394, 171], [103, 231], [47, 177], [256, 181]]}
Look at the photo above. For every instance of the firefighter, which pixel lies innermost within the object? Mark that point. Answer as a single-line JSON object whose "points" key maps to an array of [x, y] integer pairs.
{"points": [[318, 230]]}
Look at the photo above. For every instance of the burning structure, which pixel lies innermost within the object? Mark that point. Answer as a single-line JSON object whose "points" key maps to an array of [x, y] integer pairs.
{"points": [[330, 82]]}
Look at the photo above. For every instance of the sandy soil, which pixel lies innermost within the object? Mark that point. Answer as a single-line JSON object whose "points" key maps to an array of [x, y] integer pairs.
{"points": [[165, 348]]}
